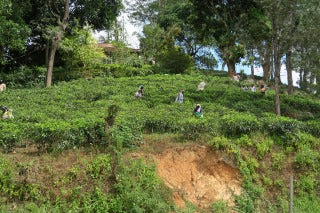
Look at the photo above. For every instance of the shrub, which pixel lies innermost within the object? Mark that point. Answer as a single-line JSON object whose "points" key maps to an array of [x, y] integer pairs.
{"points": [[174, 61], [138, 189], [299, 102], [220, 207], [25, 76], [244, 203], [307, 157], [100, 167], [280, 125], [236, 123], [244, 140], [307, 203], [11, 134], [277, 160], [306, 183], [219, 142], [313, 127], [263, 147]]}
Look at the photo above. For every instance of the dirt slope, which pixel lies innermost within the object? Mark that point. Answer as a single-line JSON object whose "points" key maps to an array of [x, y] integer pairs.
{"points": [[199, 175]]}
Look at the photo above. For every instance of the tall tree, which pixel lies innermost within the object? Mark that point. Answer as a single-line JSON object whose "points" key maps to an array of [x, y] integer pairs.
{"points": [[99, 13], [51, 20], [223, 21], [173, 18], [13, 30], [282, 15], [256, 36], [62, 20], [306, 51]]}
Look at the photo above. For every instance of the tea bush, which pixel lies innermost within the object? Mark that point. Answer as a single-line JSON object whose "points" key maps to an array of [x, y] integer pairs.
{"points": [[239, 123], [77, 113], [72, 114], [280, 125]]}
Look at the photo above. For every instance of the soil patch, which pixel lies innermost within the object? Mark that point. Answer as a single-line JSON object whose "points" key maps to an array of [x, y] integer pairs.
{"points": [[199, 175]]}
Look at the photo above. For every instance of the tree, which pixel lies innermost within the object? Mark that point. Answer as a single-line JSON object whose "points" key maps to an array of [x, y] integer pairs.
{"points": [[58, 33], [223, 21], [256, 36], [174, 61], [80, 51], [51, 20], [13, 30], [306, 51], [172, 19], [279, 16]]}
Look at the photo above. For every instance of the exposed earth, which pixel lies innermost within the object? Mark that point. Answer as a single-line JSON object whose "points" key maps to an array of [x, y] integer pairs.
{"points": [[198, 175]]}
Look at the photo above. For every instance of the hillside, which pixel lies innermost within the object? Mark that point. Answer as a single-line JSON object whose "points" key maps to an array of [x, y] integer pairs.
{"points": [[90, 146]]}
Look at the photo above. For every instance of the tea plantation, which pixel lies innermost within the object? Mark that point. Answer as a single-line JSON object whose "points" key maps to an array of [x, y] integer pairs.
{"points": [[101, 117]]}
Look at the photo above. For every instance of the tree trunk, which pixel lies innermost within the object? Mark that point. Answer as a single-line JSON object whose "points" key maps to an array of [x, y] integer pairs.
{"points": [[63, 23], [252, 71], [317, 83], [300, 78], [304, 80], [231, 68], [54, 47], [277, 87], [272, 69], [277, 69], [266, 71], [289, 72], [47, 55], [223, 65], [312, 82]]}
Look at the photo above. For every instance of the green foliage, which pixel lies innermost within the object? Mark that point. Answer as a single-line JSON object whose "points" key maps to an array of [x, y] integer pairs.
{"points": [[118, 70], [236, 123], [10, 189], [24, 76], [307, 204], [220, 207], [82, 52], [306, 184], [138, 189], [264, 146], [244, 203], [307, 157], [124, 56], [10, 135], [219, 142], [174, 61], [100, 167], [14, 31], [52, 125], [281, 125], [244, 140], [77, 113], [277, 160]]}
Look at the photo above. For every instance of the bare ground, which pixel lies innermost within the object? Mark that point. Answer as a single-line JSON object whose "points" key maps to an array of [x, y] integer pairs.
{"points": [[199, 175]]}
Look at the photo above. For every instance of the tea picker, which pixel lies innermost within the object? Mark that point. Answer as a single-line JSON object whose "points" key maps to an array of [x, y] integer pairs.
{"points": [[179, 98], [140, 92], [198, 111], [6, 113]]}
